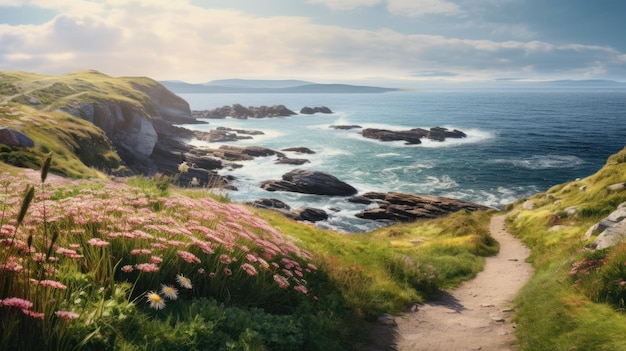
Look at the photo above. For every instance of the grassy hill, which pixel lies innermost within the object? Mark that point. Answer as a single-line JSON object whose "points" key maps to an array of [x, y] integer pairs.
{"points": [[139, 264]]}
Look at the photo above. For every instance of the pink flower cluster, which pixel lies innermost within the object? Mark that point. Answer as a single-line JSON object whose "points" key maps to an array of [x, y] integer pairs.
{"points": [[195, 230]]}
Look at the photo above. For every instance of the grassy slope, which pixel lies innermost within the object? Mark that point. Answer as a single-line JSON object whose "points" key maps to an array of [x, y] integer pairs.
{"points": [[555, 312], [80, 148]]}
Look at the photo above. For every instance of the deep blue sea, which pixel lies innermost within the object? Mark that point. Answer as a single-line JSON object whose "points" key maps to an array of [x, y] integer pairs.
{"points": [[519, 142]]}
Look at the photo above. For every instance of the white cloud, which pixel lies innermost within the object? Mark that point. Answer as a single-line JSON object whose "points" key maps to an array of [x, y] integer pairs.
{"points": [[176, 40], [340, 5], [416, 8]]}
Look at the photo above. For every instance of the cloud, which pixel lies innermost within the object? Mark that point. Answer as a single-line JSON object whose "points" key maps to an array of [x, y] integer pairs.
{"points": [[176, 40], [340, 5], [416, 8]]}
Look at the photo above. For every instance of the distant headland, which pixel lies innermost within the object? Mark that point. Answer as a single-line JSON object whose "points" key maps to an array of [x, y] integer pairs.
{"points": [[245, 86]]}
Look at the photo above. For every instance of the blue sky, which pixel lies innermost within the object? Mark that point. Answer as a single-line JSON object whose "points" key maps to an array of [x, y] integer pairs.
{"points": [[396, 41]]}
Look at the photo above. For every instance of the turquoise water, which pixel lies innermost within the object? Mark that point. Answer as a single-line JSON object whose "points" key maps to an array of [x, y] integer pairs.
{"points": [[519, 143]]}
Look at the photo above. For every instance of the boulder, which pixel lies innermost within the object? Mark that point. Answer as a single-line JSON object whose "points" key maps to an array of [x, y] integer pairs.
{"points": [[310, 182], [224, 134], [291, 161], [269, 203], [346, 127], [412, 136], [312, 110], [12, 137], [241, 112], [310, 214], [404, 207], [300, 150], [611, 236]]}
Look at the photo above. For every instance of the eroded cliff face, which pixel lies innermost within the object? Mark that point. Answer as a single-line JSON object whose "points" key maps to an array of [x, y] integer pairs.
{"points": [[136, 128]]}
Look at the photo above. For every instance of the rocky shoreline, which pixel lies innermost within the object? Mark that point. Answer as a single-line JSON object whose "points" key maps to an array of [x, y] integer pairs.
{"points": [[156, 144]]}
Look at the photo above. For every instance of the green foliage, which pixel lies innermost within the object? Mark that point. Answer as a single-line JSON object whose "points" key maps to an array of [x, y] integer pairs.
{"points": [[575, 300]]}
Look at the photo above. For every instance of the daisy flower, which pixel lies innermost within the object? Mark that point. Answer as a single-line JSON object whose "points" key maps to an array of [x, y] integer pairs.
{"points": [[184, 281], [169, 291], [155, 300]]}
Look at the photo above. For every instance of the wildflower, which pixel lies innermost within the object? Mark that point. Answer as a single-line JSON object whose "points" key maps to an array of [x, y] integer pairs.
{"points": [[169, 291], [53, 284], [225, 259], [156, 259], [36, 315], [140, 252], [282, 281], [184, 281], [147, 267], [188, 256], [311, 266], [98, 242], [183, 167], [195, 181], [17, 302], [249, 269], [251, 258], [300, 288], [127, 268], [200, 271], [227, 271], [622, 283], [66, 315], [263, 263], [155, 300]]}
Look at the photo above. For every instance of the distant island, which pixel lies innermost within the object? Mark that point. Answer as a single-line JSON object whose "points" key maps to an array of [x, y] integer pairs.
{"points": [[245, 86]]}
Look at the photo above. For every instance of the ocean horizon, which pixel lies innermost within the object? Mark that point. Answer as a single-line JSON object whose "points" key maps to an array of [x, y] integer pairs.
{"points": [[519, 142]]}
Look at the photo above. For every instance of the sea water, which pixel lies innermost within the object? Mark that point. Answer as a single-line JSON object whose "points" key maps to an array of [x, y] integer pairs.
{"points": [[519, 142]]}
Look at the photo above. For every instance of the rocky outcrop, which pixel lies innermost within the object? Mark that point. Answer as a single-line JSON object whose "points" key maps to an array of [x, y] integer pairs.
{"points": [[14, 138], [412, 136], [300, 150], [241, 112], [304, 213], [310, 182], [312, 110], [611, 230], [224, 134], [403, 207], [346, 127]]}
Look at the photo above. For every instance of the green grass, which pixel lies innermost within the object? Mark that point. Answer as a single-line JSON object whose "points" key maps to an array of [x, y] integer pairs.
{"points": [[334, 282], [575, 300]]}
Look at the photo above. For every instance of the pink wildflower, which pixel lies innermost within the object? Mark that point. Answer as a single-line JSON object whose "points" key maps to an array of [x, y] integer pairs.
{"points": [[311, 266], [127, 268], [622, 283], [140, 252], [147, 267], [156, 259], [36, 315], [67, 315], [249, 269], [17, 302], [227, 271], [282, 281], [188, 256], [225, 259], [98, 242], [251, 258], [53, 284], [300, 288]]}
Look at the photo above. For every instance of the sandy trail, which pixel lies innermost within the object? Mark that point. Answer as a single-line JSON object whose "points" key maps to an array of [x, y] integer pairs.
{"points": [[475, 316]]}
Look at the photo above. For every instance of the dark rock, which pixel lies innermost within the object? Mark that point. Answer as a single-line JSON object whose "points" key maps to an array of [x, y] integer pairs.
{"points": [[301, 150], [403, 207], [346, 127], [312, 110], [12, 137], [242, 112], [310, 214], [291, 161], [223, 134], [269, 203], [235, 153], [412, 136], [310, 182]]}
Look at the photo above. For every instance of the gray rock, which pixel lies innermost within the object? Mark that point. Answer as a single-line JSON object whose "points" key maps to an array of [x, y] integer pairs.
{"points": [[528, 205], [310, 182], [310, 214], [616, 187], [612, 236], [12, 137]]}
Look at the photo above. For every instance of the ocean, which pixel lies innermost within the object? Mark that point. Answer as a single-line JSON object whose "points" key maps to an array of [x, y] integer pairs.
{"points": [[519, 142]]}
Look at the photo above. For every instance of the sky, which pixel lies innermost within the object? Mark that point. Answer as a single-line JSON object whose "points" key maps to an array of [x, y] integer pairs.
{"points": [[326, 41]]}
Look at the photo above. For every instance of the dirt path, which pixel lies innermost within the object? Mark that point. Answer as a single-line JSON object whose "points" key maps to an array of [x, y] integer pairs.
{"points": [[475, 316]]}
